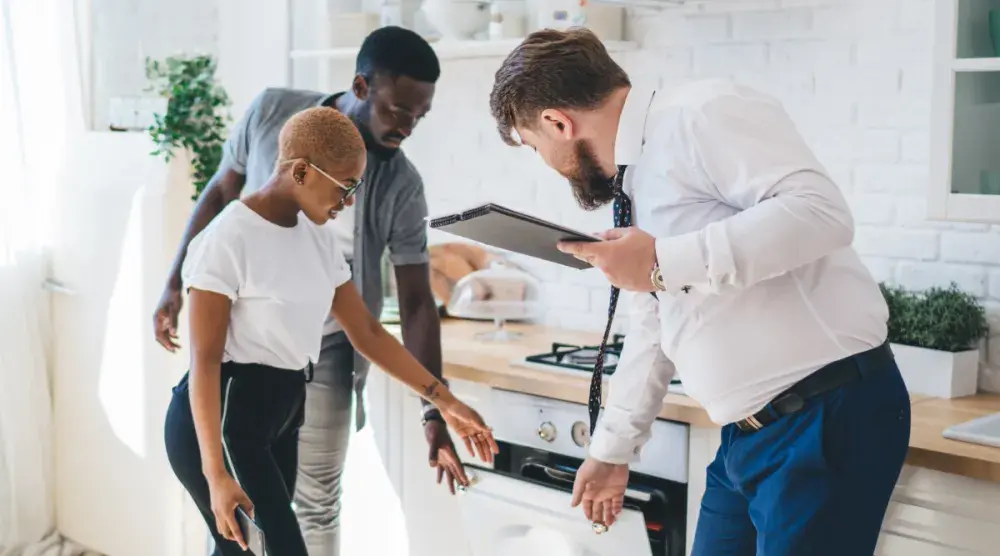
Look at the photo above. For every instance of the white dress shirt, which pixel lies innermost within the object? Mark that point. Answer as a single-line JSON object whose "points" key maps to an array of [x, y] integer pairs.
{"points": [[754, 242]]}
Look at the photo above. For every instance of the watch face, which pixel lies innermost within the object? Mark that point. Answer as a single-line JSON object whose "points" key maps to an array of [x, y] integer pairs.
{"points": [[657, 279]]}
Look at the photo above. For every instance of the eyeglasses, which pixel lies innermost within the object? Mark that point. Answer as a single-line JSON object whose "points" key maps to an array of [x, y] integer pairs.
{"points": [[349, 190]]}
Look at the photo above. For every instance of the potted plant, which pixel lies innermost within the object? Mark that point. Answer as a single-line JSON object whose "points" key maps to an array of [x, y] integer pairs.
{"points": [[935, 336], [195, 121]]}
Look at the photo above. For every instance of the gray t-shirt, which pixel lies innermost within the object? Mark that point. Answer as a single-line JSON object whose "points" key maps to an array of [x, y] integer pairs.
{"points": [[390, 208]]}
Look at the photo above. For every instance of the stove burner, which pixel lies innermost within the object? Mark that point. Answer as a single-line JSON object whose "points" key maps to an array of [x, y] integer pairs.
{"points": [[589, 357], [582, 358]]}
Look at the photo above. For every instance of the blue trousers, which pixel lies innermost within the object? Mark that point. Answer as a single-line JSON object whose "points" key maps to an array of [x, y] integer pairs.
{"points": [[814, 483]]}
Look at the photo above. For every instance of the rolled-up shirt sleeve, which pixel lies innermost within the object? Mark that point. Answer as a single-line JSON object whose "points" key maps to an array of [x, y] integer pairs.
{"points": [[791, 212], [408, 236], [212, 265], [637, 387]]}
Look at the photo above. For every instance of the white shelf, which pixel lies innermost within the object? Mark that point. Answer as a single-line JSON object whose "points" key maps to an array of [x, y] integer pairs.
{"points": [[975, 64], [448, 50]]}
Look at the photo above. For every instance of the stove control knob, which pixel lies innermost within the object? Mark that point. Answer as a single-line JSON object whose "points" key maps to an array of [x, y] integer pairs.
{"points": [[547, 431], [580, 434]]}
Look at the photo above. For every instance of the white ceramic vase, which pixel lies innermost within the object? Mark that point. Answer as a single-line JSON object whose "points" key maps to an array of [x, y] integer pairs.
{"points": [[457, 19]]}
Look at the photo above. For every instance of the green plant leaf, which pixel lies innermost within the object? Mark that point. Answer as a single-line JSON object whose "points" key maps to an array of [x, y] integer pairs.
{"points": [[195, 119], [945, 319]]}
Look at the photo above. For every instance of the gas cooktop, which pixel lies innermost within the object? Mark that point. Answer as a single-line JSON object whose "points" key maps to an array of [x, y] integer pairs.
{"points": [[580, 358], [572, 359]]}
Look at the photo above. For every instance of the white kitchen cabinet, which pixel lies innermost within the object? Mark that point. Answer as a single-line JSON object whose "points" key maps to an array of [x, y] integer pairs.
{"points": [[121, 218], [938, 514], [433, 518], [965, 129]]}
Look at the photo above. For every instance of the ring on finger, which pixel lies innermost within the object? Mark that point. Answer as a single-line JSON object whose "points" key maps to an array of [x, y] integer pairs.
{"points": [[599, 528]]}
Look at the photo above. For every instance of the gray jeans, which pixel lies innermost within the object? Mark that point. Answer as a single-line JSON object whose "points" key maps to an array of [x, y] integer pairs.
{"points": [[323, 441]]}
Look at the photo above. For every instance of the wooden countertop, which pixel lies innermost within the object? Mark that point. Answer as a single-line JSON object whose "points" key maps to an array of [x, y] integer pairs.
{"points": [[931, 416], [469, 359], [493, 363]]}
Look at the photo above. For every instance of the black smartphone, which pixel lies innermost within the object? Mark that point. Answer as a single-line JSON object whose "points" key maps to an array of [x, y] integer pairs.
{"points": [[252, 533]]}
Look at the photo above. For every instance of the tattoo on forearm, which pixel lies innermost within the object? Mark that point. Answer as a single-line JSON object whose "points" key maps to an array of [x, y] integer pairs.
{"points": [[430, 391]]}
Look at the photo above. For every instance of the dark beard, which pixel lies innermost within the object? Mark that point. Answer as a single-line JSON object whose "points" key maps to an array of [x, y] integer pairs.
{"points": [[360, 118], [380, 152], [591, 187]]}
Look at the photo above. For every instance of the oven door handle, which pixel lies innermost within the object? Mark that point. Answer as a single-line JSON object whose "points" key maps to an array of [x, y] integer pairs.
{"points": [[570, 478]]}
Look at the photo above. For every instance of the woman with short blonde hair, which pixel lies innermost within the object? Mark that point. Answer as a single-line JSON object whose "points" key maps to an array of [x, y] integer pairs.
{"points": [[263, 277]]}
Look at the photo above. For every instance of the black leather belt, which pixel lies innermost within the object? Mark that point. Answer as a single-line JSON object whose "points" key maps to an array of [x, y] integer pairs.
{"points": [[829, 377]]}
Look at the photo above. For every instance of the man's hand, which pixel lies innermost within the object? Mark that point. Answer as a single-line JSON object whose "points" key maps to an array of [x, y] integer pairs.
{"points": [[443, 456], [165, 319], [600, 487], [626, 257]]}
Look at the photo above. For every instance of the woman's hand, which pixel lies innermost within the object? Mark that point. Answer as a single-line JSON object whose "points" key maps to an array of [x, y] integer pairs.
{"points": [[226, 497], [373, 341], [469, 426]]}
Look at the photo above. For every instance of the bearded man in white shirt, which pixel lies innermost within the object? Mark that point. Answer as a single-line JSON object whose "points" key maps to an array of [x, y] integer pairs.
{"points": [[734, 246]]}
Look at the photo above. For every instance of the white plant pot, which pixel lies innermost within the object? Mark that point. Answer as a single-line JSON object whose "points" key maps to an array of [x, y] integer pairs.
{"points": [[936, 373]]}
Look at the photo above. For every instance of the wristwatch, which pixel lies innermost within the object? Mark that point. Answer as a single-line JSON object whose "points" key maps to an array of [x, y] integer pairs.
{"points": [[656, 277], [429, 414]]}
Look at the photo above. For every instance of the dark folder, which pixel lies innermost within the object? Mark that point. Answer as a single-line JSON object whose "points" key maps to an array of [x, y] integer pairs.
{"points": [[503, 228]]}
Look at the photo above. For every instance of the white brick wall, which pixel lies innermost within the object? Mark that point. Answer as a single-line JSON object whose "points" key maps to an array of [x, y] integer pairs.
{"points": [[124, 32], [856, 77]]}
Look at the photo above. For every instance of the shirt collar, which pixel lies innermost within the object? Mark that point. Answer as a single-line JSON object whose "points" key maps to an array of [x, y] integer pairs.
{"points": [[632, 125]]}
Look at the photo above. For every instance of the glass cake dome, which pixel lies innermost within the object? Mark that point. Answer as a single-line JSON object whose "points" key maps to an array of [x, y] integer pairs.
{"points": [[499, 293]]}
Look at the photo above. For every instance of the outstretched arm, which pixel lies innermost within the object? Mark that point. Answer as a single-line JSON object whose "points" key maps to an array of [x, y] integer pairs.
{"points": [[374, 342]]}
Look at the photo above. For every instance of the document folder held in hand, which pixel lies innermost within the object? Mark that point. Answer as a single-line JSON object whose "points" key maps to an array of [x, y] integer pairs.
{"points": [[503, 228]]}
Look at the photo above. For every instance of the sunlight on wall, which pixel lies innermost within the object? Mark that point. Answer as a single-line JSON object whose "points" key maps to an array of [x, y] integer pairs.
{"points": [[372, 515], [121, 387]]}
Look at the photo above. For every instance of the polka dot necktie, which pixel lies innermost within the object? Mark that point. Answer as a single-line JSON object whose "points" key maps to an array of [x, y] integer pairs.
{"points": [[623, 219]]}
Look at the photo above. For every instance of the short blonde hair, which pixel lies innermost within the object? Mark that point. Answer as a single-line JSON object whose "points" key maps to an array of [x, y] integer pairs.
{"points": [[323, 136]]}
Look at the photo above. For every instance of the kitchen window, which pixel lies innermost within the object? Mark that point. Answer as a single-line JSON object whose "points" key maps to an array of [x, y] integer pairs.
{"points": [[965, 131]]}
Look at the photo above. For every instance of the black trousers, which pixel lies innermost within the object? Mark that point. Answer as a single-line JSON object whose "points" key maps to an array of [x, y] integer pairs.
{"points": [[262, 410]]}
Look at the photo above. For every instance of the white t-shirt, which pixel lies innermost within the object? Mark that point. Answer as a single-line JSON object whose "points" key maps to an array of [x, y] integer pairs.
{"points": [[281, 282], [342, 228]]}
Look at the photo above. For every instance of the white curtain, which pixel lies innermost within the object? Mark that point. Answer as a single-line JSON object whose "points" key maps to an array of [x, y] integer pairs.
{"points": [[39, 107]]}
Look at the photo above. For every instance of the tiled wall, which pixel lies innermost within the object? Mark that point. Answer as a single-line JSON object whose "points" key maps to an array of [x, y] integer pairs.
{"points": [[856, 77]]}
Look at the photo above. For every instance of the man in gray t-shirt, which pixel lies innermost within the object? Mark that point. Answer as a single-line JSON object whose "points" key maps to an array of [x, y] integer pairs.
{"points": [[391, 92]]}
